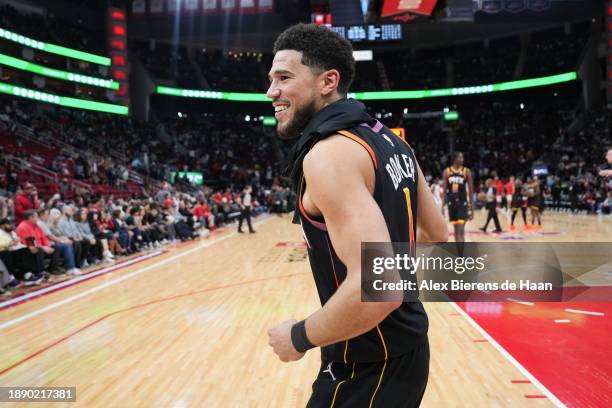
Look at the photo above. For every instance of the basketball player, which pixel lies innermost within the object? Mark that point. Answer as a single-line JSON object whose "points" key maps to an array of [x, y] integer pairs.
{"points": [[457, 182], [534, 201], [518, 200], [607, 172], [356, 182]]}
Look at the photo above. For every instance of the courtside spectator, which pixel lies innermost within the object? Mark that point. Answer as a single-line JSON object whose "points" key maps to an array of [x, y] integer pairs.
{"points": [[62, 245], [34, 238]]}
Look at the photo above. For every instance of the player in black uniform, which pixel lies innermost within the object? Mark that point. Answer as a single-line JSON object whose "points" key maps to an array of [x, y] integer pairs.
{"points": [[519, 200], [534, 201], [457, 180], [356, 182]]}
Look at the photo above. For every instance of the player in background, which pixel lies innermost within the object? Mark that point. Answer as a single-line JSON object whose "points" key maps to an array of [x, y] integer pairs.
{"points": [[457, 193]]}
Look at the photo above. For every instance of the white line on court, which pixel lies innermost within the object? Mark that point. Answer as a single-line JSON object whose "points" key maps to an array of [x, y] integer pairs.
{"points": [[520, 301], [586, 312], [137, 272], [554, 400], [562, 321], [70, 282]]}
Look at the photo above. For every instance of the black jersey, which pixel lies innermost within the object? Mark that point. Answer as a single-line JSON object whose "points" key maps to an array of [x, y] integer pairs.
{"points": [[457, 184], [396, 194]]}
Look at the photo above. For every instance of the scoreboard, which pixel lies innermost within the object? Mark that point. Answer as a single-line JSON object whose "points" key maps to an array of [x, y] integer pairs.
{"points": [[370, 33]]}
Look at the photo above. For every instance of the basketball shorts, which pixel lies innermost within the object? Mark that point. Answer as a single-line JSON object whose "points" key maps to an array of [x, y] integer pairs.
{"points": [[457, 212], [398, 382]]}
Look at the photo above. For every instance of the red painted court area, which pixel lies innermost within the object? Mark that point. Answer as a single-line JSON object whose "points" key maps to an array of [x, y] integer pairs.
{"points": [[569, 352]]}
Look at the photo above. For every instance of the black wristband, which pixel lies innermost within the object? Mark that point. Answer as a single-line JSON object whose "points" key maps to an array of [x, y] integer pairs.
{"points": [[299, 338]]}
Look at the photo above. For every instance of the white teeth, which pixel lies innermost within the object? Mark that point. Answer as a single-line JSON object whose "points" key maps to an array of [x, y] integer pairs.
{"points": [[280, 108]]}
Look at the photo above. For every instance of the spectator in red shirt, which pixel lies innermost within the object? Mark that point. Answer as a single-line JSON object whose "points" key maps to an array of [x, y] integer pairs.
{"points": [[26, 199], [32, 236], [217, 198], [498, 186], [202, 212]]}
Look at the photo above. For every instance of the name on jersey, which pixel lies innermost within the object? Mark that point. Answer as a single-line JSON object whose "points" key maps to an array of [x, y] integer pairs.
{"points": [[456, 179], [400, 168]]}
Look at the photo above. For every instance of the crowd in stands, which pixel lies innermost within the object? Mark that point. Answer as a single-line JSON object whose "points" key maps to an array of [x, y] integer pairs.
{"points": [[53, 29], [492, 63], [56, 30], [565, 44], [42, 239], [575, 162], [235, 71], [117, 153], [167, 63], [472, 63], [507, 139]]}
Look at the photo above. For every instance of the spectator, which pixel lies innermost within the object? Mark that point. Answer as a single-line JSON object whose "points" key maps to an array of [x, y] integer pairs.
{"points": [[109, 243], [34, 238], [16, 257], [66, 227], [61, 245], [25, 199], [97, 246]]}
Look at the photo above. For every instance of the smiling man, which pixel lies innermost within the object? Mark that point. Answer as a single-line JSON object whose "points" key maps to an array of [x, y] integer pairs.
{"points": [[356, 182]]}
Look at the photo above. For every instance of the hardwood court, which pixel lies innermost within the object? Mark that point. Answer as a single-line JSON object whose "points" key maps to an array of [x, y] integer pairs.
{"points": [[188, 329]]}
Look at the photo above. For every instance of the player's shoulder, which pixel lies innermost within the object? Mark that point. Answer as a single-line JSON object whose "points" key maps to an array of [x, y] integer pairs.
{"points": [[335, 153]]}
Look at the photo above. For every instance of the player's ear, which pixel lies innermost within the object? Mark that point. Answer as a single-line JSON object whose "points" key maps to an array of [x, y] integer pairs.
{"points": [[329, 81]]}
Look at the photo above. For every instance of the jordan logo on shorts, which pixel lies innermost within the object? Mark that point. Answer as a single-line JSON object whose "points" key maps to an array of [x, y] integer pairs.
{"points": [[328, 370]]}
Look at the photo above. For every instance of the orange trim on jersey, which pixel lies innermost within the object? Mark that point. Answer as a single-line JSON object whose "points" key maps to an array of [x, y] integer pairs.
{"points": [[353, 373], [361, 142], [410, 222], [382, 339], [382, 372], [458, 222], [319, 225], [336, 393], [345, 350], [331, 258]]}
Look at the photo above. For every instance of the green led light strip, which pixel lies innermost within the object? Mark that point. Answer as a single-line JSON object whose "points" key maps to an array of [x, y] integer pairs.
{"points": [[54, 49], [386, 95], [55, 73], [451, 116], [62, 100]]}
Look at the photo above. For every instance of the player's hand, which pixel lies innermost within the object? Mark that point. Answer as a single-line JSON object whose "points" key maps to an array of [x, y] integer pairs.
{"points": [[470, 212], [280, 340]]}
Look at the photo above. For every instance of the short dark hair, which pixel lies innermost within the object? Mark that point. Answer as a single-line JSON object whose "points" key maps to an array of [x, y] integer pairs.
{"points": [[29, 214], [322, 49]]}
